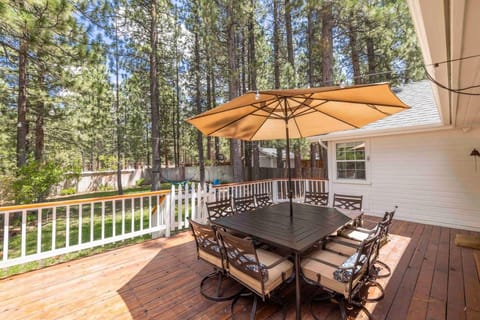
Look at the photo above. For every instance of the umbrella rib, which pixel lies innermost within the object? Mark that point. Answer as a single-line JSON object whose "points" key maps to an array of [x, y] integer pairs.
{"points": [[244, 116], [266, 118], [312, 109], [347, 101], [268, 102]]}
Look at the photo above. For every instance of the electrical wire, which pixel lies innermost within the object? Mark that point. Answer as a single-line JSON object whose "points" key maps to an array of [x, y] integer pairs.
{"points": [[458, 90]]}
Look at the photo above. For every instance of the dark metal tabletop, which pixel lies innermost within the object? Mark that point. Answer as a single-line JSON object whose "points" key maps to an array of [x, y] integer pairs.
{"points": [[274, 225]]}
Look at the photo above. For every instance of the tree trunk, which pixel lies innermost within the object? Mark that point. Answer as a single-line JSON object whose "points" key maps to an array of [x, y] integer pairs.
{"points": [[279, 157], [327, 44], [233, 91], [117, 112], [155, 113], [22, 125], [288, 30], [201, 160], [39, 131], [354, 53], [298, 162], [276, 44], [310, 40], [39, 120], [252, 72], [372, 64]]}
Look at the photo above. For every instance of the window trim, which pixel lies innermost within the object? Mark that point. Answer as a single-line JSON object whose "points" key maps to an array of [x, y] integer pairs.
{"points": [[367, 163]]}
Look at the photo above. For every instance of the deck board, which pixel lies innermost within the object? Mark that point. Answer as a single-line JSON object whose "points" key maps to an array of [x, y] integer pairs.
{"points": [[159, 279]]}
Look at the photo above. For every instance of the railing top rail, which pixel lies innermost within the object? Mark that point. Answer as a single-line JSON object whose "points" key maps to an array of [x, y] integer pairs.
{"points": [[265, 180], [79, 201]]}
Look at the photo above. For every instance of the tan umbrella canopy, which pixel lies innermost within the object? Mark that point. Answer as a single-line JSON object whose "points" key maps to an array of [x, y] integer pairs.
{"points": [[296, 113]]}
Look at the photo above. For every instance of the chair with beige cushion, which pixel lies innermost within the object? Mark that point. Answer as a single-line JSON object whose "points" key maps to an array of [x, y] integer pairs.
{"points": [[339, 276], [219, 208], [353, 236], [210, 251], [316, 198], [258, 270]]}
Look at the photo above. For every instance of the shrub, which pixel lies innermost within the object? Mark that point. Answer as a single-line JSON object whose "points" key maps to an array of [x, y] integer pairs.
{"points": [[34, 181], [67, 191]]}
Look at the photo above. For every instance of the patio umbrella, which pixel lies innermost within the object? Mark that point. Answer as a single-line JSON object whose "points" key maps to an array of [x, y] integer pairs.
{"points": [[297, 113]]}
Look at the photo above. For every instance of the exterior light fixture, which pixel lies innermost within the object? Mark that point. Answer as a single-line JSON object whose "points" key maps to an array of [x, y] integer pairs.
{"points": [[475, 154]]}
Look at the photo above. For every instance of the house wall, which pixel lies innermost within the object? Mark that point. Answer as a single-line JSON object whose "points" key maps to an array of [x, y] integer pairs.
{"points": [[430, 176]]}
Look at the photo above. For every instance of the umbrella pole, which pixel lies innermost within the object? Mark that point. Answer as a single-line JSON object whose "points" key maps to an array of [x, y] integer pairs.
{"points": [[290, 192]]}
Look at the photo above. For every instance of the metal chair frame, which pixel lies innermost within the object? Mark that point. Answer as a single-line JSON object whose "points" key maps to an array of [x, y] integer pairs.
{"points": [[242, 255], [207, 241], [316, 198], [358, 270], [219, 208]]}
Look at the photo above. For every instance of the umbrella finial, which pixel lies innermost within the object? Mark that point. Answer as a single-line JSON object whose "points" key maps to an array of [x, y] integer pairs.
{"points": [[257, 96]]}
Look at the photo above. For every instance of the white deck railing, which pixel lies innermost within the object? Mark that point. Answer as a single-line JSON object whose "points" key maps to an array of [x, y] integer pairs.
{"points": [[39, 231]]}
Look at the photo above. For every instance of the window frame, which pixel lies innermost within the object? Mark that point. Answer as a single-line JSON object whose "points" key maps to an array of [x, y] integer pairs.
{"points": [[366, 161]]}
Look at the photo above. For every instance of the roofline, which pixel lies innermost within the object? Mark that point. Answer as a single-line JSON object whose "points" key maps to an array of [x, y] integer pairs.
{"points": [[380, 132]]}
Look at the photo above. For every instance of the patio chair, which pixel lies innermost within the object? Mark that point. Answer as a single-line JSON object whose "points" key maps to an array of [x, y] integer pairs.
{"points": [[349, 202], [347, 247], [355, 235], [210, 251], [316, 198], [258, 270], [263, 200], [243, 204], [219, 208], [342, 278]]}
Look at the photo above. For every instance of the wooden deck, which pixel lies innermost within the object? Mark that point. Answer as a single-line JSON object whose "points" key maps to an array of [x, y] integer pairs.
{"points": [[159, 279]]}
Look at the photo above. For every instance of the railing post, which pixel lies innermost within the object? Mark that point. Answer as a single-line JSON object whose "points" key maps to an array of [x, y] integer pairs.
{"points": [[274, 191], [169, 210]]}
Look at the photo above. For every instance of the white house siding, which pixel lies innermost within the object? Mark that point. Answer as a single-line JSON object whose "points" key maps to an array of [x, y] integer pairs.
{"points": [[430, 176]]}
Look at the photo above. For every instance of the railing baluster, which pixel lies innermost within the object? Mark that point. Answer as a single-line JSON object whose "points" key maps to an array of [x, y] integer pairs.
{"points": [[39, 231], [141, 213], [133, 214], [54, 228], [180, 200], [92, 209], [80, 222], [67, 227], [24, 233], [123, 216], [149, 212], [103, 220], [6, 229], [114, 218]]}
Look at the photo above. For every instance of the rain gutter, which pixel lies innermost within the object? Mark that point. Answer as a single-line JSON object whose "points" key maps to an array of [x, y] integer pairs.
{"points": [[380, 132]]}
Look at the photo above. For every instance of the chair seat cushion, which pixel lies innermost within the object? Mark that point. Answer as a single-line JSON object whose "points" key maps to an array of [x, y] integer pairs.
{"points": [[322, 273], [346, 250], [210, 258], [274, 274], [354, 234]]}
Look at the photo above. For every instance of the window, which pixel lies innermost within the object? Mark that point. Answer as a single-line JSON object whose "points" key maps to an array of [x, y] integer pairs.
{"points": [[350, 160]]}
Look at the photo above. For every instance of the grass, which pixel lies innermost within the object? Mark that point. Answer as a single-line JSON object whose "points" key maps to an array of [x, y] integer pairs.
{"points": [[87, 223]]}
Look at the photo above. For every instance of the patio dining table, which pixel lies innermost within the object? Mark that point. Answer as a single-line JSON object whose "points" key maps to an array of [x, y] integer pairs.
{"points": [[274, 225]]}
